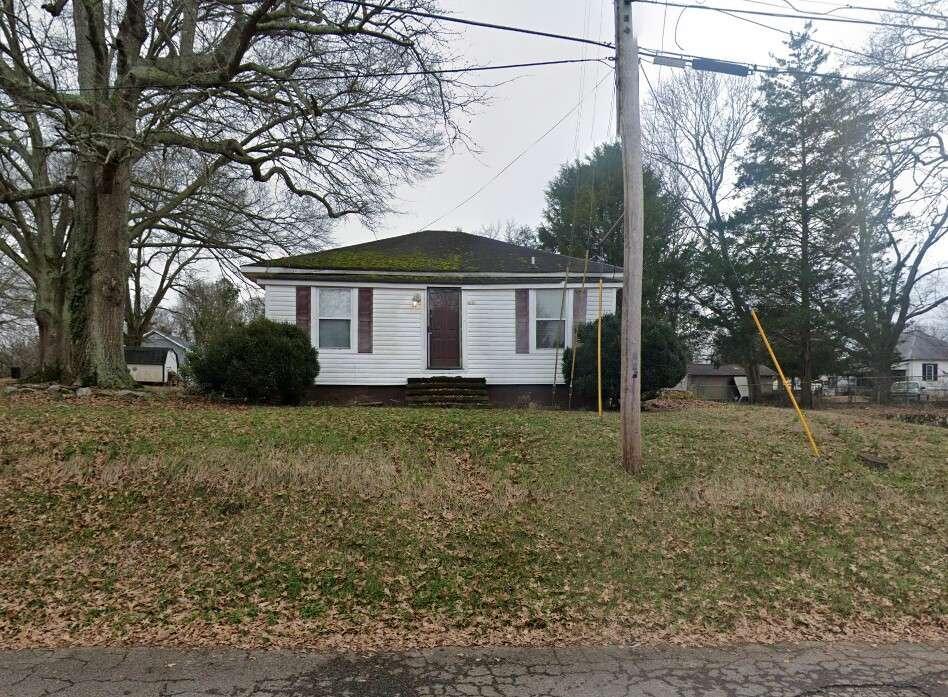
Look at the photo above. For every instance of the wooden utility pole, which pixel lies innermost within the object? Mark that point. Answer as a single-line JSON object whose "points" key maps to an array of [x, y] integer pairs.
{"points": [[599, 352], [630, 133]]}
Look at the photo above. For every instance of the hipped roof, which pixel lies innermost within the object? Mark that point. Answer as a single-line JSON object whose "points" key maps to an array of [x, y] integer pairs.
{"points": [[437, 252]]}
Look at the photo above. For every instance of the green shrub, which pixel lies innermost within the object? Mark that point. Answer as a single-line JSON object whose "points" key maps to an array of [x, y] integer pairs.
{"points": [[261, 361], [664, 359]]}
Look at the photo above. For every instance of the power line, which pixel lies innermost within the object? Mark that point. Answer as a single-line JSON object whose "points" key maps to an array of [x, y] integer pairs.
{"points": [[787, 32], [475, 23], [745, 67], [361, 76], [443, 71], [854, 8], [516, 159], [786, 15]]}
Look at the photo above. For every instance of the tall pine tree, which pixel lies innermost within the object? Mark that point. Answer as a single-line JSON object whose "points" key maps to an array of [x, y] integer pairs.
{"points": [[796, 202], [583, 207]]}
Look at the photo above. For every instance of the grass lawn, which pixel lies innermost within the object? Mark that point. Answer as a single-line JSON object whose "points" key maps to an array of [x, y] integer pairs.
{"points": [[170, 522]]}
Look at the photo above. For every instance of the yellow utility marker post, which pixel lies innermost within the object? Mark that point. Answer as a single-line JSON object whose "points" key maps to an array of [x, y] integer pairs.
{"points": [[786, 385], [599, 351], [572, 367]]}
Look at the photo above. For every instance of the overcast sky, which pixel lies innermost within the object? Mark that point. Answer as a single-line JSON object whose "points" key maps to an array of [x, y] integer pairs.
{"points": [[521, 110]]}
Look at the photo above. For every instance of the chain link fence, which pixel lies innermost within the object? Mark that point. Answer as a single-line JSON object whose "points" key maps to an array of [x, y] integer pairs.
{"points": [[890, 389], [830, 391]]}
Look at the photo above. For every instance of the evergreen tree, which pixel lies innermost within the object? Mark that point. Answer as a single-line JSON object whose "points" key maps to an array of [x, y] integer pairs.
{"points": [[584, 203], [664, 359], [796, 202]]}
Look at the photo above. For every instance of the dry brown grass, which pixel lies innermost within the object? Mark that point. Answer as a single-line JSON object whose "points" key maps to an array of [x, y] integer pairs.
{"points": [[176, 523], [445, 481], [795, 499]]}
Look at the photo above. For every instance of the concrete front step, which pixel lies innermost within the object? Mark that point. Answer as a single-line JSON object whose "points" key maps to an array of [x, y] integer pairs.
{"points": [[450, 404], [445, 389], [460, 398]]}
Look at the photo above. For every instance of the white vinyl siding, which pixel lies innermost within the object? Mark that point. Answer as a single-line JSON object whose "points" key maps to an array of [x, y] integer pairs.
{"points": [[592, 302], [488, 345], [279, 303], [489, 341], [915, 371]]}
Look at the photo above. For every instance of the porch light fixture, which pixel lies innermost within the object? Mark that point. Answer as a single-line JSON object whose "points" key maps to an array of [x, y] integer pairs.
{"points": [[415, 301]]}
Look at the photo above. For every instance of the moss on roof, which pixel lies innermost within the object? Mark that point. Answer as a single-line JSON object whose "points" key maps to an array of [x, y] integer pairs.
{"points": [[439, 251], [355, 259]]}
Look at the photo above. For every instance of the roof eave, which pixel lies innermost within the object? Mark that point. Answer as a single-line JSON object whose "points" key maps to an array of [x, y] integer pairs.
{"points": [[254, 271], [169, 338]]}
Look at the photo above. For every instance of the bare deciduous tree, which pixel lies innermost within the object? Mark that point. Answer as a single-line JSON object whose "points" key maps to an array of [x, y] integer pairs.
{"points": [[697, 127], [36, 218], [898, 179], [334, 101], [16, 295], [208, 309], [18, 345], [223, 223], [885, 247], [512, 232]]}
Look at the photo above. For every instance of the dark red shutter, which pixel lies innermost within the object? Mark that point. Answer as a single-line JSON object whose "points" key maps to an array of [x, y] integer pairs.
{"points": [[579, 308], [365, 320], [304, 295], [522, 319]]}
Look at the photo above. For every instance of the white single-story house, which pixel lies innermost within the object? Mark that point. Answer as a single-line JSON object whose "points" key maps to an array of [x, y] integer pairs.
{"points": [[159, 339], [432, 304], [151, 365], [724, 382], [924, 360]]}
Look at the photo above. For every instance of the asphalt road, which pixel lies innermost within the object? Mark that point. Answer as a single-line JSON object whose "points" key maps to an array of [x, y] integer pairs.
{"points": [[814, 670]]}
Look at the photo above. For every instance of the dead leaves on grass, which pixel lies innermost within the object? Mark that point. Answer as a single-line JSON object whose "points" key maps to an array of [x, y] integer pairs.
{"points": [[769, 496], [624, 627], [483, 528]]}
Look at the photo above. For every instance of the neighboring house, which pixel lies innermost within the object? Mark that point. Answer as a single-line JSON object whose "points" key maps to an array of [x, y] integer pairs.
{"points": [[723, 382], [178, 345], [151, 365], [435, 303], [924, 360]]}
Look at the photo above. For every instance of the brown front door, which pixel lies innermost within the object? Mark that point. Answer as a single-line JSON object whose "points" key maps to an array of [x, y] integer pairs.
{"points": [[444, 327]]}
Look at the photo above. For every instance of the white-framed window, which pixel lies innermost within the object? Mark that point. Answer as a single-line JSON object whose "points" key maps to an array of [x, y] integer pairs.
{"points": [[549, 320], [335, 318], [929, 371]]}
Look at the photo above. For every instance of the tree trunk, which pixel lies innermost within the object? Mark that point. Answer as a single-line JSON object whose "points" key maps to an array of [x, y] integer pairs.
{"points": [[53, 344], [100, 271], [52, 319], [134, 332], [882, 362], [806, 385], [753, 381], [806, 330]]}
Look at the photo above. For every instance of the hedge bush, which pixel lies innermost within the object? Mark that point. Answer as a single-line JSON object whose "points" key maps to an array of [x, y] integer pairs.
{"points": [[664, 359], [261, 361]]}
